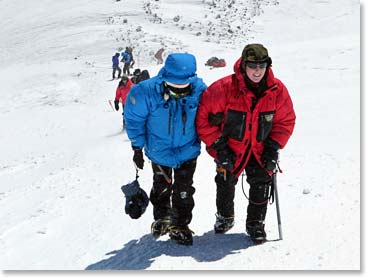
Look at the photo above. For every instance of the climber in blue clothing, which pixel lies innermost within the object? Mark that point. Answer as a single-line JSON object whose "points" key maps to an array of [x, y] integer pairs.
{"points": [[160, 118], [115, 66], [127, 59]]}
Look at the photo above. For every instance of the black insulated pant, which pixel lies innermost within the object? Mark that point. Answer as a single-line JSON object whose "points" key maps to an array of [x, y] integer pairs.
{"points": [[174, 200], [114, 69], [259, 181], [226, 186]]}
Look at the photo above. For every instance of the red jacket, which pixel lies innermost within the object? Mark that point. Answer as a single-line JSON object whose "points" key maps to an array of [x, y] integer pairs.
{"points": [[121, 92], [246, 130]]}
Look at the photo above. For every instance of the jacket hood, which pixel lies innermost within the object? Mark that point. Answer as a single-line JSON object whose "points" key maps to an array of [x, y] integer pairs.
{"points": [[179, 68]]}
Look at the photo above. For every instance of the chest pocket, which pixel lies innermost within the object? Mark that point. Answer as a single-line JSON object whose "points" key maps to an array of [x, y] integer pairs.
{"points": [[265, 125], [235, 124]]}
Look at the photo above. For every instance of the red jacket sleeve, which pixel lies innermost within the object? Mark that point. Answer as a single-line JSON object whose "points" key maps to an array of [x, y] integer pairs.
{"points": [[118, 94], [284, 118], [212, 101]]}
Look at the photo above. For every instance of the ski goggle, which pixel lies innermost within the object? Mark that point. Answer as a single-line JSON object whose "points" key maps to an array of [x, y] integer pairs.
{"points": [[254, 65], [179, 92]]}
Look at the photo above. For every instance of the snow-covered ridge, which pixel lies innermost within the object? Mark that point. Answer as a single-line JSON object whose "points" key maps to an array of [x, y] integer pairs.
{"points": [[221, 22]]}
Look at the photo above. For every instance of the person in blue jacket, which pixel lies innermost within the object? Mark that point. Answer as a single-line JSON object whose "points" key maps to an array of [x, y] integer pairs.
{"points": [[126, 58], [160, 118], [115, 66]]}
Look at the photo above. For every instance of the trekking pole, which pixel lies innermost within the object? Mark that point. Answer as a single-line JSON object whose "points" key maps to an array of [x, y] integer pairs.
{"points": [[168, 180], [110, 102], [274, 177]]}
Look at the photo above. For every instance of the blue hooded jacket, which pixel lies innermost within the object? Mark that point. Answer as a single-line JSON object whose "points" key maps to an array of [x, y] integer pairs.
{"points": [[126, 57], [165, 126], [115, 60]]}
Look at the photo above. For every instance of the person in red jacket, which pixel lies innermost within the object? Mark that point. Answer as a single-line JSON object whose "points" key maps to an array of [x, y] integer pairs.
{"points": [[121, 93], [244, 119]]}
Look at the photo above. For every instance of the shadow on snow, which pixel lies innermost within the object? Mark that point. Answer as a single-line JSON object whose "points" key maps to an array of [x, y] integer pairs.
{"points": [[140, 254]]}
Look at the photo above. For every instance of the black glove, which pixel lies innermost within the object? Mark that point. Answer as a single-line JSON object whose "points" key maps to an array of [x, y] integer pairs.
{"points": [[270, 154], [138, 157], [136, 199], [215, 119], [225, 155], [117, 105]]}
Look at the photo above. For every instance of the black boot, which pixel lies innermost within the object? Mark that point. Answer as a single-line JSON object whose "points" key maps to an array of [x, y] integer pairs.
{"points": [[223, 224], [256, 231], [160, 227], [181, 235]]}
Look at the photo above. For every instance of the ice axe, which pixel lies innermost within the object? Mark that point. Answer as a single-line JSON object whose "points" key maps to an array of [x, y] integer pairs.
{"points": [[168, 179]]}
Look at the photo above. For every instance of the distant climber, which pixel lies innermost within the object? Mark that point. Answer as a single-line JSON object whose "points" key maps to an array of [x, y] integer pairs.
{"points": [[159, 56], [116, 66], [126, 58], [121, 93], [139, 76]]}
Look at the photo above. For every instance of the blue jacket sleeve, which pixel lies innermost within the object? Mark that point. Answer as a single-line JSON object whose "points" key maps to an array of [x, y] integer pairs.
{"points": [[136, 113]]}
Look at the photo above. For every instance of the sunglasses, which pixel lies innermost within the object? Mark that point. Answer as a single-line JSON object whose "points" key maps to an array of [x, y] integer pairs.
{"points": [[253, 65]]}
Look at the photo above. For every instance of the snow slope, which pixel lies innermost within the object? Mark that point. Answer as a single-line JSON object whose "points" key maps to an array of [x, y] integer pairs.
{"points": [[63, 156]]}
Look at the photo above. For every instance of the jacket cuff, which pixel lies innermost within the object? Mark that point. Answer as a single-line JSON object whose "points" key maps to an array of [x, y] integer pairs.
{"points": [[136, 148], [270, 143], [219, 144]]}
